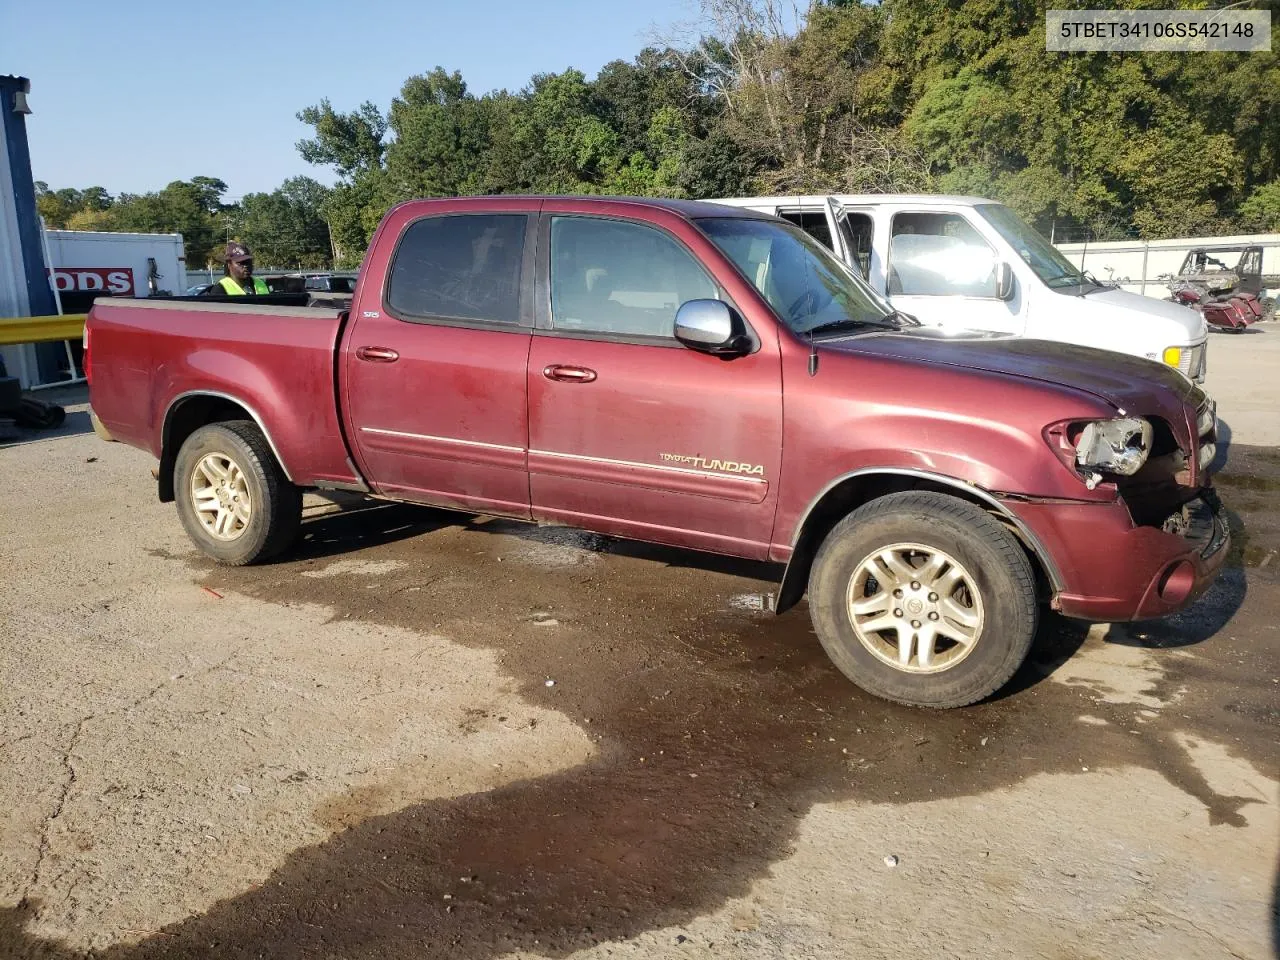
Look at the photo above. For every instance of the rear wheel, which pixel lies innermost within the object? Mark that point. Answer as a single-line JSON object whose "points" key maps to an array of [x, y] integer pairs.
{"points": [[924, 599], [234, 500]]}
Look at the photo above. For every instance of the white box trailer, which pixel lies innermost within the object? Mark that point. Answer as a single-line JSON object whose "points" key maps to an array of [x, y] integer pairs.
{"points": [[119, 264], [85, 264]]}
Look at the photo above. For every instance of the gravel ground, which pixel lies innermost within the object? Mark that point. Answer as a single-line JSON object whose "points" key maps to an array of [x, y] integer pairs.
{"points": [[430, 735]]}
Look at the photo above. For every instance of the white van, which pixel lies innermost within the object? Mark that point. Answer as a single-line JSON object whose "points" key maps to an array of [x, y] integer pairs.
{"points": [[972, 264]]}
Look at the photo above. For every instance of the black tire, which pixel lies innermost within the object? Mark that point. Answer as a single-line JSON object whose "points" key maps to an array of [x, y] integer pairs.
{"points": [[38, 415], [276, 513], [994, 560]]}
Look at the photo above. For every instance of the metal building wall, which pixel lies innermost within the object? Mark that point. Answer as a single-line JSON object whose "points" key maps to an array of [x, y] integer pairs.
{"points": [[24, 284]]}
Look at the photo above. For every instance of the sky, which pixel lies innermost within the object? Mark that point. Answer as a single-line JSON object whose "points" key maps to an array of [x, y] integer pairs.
{"points": [[130, 96]]}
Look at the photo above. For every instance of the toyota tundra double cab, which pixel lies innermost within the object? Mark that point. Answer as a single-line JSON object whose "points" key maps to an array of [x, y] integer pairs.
{"points": [[697, 375]]}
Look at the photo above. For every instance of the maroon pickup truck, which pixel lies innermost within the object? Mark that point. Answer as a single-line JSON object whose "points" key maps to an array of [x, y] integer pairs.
{"points": [[693, 375]]}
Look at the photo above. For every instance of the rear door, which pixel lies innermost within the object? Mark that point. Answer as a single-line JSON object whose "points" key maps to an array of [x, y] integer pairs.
{"points": [[435, 363], [632, 433]]}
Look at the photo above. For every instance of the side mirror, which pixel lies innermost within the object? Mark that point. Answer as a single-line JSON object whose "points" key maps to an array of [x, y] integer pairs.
{"points": [[1004, 281], [711, 326]]}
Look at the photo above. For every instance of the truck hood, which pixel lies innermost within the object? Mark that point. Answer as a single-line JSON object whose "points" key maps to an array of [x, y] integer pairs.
{"points": [[1180, 325], [1131, 384]]}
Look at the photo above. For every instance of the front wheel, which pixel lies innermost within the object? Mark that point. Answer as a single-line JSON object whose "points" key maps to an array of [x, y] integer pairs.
{"points": [[924, 599], [234, 500]]}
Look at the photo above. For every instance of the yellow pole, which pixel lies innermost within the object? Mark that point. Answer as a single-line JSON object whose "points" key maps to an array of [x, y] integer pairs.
{"points": [[68, 326]]}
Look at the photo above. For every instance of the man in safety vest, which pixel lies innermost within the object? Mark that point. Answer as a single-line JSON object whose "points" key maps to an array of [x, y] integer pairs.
{"points": [[239, 279]]}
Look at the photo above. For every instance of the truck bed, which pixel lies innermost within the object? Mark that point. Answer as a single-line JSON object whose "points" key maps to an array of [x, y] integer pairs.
{"points": [[275, 362]]}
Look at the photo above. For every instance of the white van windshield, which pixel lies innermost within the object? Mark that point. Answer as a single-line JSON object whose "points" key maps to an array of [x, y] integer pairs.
{"points": [[1040, 255], [807, 286]]}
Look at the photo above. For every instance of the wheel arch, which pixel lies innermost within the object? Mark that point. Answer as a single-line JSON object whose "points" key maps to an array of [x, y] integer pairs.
{"points": [[851, 490], [190, 411]]}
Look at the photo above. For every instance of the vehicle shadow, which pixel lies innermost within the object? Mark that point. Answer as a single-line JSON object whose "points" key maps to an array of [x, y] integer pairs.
{"points": [[770, 574], [76, 423], [361, 523], [1237, 331], [1275, 913], [714, 736], [1057, 640], [1223, 454], [1198, 623]]}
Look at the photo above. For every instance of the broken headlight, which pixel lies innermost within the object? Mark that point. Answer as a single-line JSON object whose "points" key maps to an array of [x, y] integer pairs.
{"points": [[1114, 446]]}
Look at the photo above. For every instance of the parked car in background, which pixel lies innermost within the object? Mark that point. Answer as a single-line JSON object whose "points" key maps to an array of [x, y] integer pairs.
{"points": [[700, 376], [966, 263], [332, 283]]}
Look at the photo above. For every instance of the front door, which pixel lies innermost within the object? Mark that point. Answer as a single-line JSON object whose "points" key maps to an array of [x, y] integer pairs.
{"points": [[630, 432], [435, 367], [941, 271]]}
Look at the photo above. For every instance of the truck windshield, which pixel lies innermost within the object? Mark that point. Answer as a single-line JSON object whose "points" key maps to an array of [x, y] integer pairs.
{"points": [[1041, 256], [807, 286]]}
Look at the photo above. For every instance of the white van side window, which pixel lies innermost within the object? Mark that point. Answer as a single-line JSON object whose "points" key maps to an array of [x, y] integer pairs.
{"points": [[939, 255], [812, 222]]}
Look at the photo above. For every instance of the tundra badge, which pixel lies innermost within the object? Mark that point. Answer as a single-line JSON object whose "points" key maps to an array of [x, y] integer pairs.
{"points": [[725, 466]]}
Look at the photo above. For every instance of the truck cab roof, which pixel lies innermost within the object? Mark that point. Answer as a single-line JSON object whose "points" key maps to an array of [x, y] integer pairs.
{"points": [[859, 199], [688, 209]]}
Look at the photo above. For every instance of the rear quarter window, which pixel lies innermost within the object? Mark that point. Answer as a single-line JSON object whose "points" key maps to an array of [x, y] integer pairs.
{"points": [[464, 267]]}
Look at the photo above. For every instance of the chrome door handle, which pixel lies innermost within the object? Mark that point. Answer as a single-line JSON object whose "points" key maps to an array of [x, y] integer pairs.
{"points": [[377, 354], [568, 374]]}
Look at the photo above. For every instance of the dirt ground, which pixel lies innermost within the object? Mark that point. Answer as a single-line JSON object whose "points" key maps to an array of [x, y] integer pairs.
{"points": [[431, 735]]}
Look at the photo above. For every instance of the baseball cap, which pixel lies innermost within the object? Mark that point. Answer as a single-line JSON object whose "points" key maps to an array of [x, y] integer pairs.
{"points": [[237, 252]]}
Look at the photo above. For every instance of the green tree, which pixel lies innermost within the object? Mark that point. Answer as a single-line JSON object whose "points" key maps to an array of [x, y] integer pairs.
{"points": [[348, 142], [629, 95], [352, 211], [59, 207], [1103, 144], [1261, 209], [188, 207], [100, 220], [441, 136], [849, 96], [286, 228]]}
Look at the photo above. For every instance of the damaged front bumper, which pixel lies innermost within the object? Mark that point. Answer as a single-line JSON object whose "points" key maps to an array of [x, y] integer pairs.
{"points": [[1107, 568]]}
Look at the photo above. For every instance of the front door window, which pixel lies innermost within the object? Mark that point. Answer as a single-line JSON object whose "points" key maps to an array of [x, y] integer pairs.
{"points": [[624, 279], [939, 255]]}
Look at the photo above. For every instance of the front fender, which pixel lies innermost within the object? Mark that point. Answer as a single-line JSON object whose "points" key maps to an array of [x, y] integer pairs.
{"points": [[996, 457], [850, 491]]}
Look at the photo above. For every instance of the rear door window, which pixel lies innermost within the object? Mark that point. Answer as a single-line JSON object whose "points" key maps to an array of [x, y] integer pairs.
{"points": [[464, 267]]}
